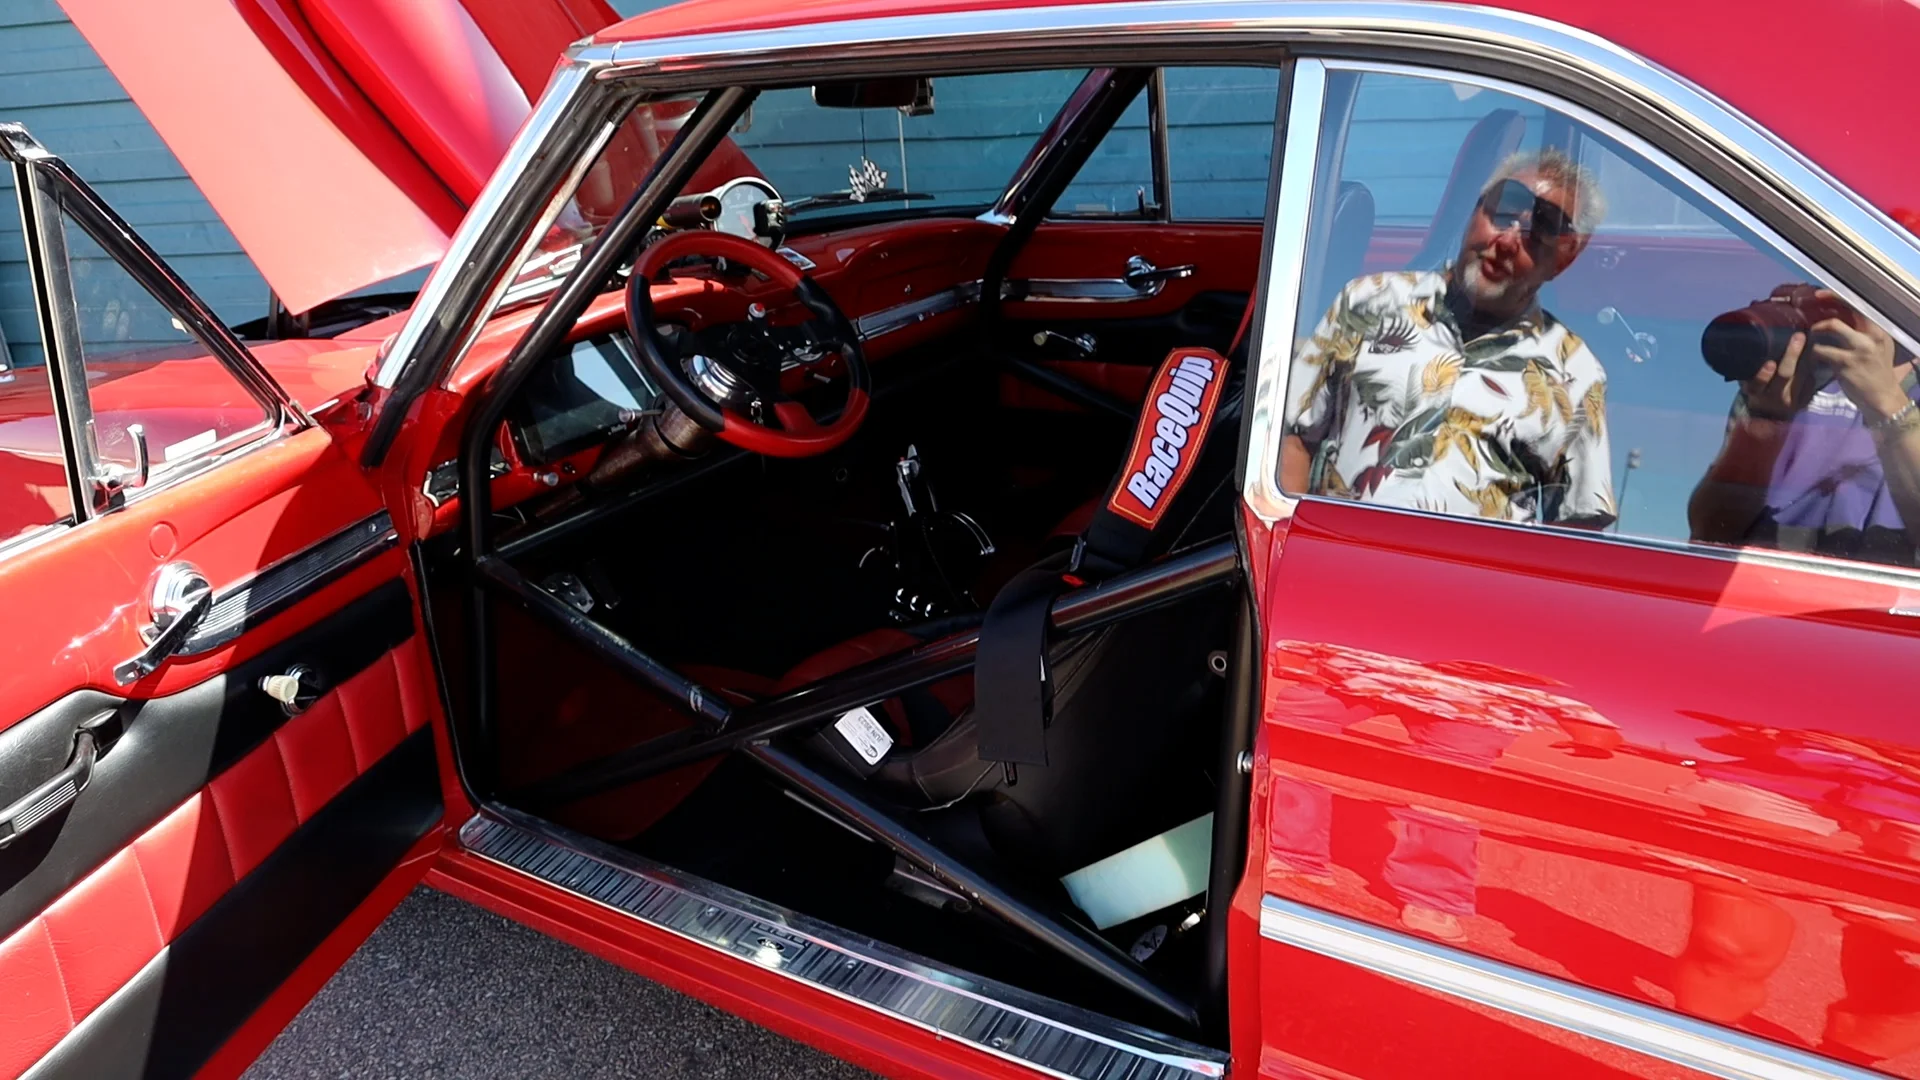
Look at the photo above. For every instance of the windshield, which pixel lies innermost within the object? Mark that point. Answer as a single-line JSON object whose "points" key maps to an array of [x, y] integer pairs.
{"points": [[954, 148]]}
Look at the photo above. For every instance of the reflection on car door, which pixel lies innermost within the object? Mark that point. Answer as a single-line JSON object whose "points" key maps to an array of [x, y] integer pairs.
{"points": [[1596, 801], [213, 743]]}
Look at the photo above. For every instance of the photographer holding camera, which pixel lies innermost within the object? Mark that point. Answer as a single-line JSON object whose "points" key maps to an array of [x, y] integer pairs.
{"points": [[1455, 391], [1822, 452]]}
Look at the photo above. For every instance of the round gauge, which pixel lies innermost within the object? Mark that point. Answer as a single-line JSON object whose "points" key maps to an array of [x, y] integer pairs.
{"points": [[737, 202]]}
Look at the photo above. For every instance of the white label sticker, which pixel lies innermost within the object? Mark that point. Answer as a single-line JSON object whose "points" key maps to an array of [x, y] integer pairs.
{"points": [[191, 445], [865, 734]]}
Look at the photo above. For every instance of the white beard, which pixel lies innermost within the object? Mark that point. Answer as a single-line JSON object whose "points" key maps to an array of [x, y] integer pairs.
{"points": [[1481, 291]]}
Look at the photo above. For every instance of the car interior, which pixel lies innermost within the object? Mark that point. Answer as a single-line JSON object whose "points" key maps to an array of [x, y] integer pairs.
{"points": [[775, 535]]}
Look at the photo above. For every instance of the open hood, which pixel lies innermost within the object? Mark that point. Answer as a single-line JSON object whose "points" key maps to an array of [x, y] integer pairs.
{"points": [[340, 140]]}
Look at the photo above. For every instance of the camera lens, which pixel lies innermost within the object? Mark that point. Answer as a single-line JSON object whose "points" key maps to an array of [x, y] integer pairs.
{"points": [[1736, 345]]}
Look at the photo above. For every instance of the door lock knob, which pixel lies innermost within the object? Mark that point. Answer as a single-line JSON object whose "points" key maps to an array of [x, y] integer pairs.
{"points": [[296, 689]]}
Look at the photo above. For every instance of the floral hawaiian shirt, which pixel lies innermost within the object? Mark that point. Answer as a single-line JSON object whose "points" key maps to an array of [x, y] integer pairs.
{"points": [[1399, 409]]}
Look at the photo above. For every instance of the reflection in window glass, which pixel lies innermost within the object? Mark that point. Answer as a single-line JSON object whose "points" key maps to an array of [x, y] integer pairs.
{"points": [[1509, 315], [144, 368], [33, 474]]}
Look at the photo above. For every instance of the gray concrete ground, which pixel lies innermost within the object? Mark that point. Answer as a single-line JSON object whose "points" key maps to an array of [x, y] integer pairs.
{"points": [[446, 990]]}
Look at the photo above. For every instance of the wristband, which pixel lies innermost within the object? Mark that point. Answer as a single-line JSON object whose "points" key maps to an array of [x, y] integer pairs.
{"points": [[1886, 427]]}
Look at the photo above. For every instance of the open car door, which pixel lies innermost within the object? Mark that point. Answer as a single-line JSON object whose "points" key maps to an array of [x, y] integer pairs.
{"points": [[215, 770]]}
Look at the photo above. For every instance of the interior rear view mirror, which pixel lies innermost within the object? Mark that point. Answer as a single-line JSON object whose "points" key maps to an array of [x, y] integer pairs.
{"points": [[910, 95]]}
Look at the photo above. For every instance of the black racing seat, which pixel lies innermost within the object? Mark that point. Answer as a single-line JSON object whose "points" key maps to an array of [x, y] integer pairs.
{"points": [[1129, 735]]}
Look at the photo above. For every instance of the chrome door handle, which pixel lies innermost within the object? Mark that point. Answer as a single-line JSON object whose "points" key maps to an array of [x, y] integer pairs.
{"points": [[1142, 275], [181, 599], [56, 794]]}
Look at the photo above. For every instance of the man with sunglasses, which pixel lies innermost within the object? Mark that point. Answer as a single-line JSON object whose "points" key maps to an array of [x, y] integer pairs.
{"points": [[1454, 390]]}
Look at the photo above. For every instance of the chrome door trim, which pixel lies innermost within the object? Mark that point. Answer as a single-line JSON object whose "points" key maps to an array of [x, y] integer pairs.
{"points": [[1631, 1025], [255, 599], [1049, 1037], [1274, 331], [145, 266], [887, 320]]}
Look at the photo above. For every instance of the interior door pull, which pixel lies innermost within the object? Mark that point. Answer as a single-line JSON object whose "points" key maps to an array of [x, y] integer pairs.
{"points": [[181, 598], [1143, 275], [56, 794]]}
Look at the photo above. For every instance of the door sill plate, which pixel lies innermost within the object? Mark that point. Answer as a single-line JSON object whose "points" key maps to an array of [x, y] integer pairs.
{"points": [[1053, 1038]]}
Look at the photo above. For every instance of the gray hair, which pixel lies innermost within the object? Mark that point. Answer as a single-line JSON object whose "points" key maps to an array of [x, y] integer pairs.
{"points": [[1555, 166]]}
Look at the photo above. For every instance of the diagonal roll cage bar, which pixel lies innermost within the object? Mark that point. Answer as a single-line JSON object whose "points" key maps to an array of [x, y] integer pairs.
{"points": [[720, 728], [749, 728]]}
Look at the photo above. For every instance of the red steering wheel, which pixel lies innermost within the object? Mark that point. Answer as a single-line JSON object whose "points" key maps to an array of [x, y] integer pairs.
{"points": [[749, 377]]}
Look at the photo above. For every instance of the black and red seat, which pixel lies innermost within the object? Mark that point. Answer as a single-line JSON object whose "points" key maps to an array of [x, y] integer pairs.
{"points": [[1115, 746]]}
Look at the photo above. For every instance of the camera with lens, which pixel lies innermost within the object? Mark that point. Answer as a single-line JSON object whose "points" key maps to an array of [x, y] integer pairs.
{"points": [[1737, 344]]}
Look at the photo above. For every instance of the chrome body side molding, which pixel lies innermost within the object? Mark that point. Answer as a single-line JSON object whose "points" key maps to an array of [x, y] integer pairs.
{"points": [[1052, 1038], [258, 598], [1644, 1029]]}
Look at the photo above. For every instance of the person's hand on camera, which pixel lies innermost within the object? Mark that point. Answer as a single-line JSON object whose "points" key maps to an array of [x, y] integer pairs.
{"points": [[1781, 387], [1861, 356]]}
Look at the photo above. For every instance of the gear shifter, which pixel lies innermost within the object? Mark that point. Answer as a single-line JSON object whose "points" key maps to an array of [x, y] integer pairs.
{"points": [[930, 553]]}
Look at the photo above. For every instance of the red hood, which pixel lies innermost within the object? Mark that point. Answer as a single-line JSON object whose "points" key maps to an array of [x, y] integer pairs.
{"points": [[340, 140]]}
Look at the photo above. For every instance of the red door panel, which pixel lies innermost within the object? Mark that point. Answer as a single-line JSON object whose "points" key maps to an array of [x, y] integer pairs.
{"points": [[1690, 782], [1130, 336], [1225, 258], [220, 837]]}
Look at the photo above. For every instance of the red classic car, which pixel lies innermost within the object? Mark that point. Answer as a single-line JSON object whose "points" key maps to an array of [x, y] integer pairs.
{"points": [[1176, 538]]}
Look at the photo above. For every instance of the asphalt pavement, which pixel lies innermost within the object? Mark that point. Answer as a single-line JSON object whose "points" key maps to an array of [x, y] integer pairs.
{"points": [[446, 990]]}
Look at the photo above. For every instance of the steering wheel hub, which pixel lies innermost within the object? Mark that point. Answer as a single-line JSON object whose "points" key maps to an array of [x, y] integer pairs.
{"points": [[737, 386]]}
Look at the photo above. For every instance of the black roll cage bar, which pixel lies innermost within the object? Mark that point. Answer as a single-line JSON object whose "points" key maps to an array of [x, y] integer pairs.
{"points": [[719, 727]]}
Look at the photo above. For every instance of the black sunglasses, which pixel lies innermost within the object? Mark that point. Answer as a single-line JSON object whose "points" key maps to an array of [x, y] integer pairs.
{"points": [[1511, 203]]}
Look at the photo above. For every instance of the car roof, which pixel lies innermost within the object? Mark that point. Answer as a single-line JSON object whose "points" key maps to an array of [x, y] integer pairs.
{"points": [[1830, 79]]}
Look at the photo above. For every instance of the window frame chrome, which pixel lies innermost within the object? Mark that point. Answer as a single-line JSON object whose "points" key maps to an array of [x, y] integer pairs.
{"points": [[49, 194]]}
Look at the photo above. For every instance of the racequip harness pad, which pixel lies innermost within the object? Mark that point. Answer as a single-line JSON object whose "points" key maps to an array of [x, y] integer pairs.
{"points": [[1167, 440], [1012, 698]]}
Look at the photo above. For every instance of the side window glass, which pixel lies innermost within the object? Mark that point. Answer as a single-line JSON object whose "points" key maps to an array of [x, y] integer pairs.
{"points": [[148, 379], [33, 471], [1117, 179], [1509, 314], [1220, 141]]}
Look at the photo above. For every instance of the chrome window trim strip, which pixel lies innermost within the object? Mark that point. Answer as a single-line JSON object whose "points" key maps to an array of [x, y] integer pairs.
{"points": [[457, 276], [1631, 1025], [262, 595], [1272, 346], [1049, 1037]]}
